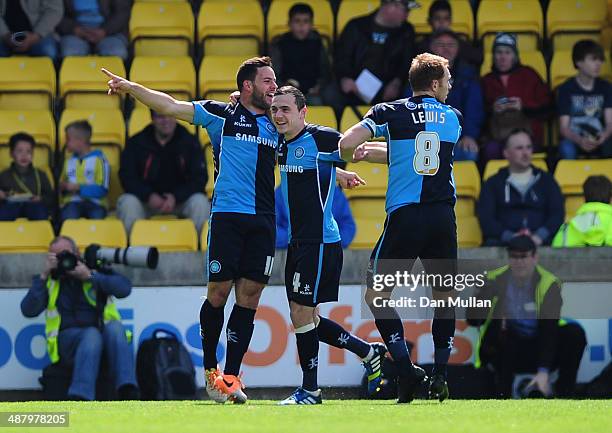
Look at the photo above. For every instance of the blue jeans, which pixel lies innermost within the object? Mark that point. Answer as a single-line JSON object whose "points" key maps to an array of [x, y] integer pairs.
{"points": [[32, 211], [113, 45], [47, 47], [82, 348], [464, 155], [83, 209], [568, 149]]}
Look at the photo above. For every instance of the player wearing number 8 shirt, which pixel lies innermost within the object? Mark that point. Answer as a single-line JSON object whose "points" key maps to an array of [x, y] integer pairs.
{"points": [[420, 134]]}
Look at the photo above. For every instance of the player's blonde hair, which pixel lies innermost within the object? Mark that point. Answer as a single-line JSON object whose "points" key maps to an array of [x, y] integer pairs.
{"points": [[426, 68]]}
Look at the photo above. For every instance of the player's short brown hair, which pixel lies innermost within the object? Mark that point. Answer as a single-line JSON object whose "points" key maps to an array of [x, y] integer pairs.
{"points": [[300, 99], [248, 69], [425, 69]]}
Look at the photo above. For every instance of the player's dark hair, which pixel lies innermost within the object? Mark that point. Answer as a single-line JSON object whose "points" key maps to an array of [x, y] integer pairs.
{"points": [[248, 69], [300, 99], [597, 189], [301, 9], [439, 5], [20, 136], [81, 125], [425, 69], [585, 47], [515, 131]]}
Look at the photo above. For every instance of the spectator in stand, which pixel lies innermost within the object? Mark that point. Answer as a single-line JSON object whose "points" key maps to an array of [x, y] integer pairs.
{"points": [[382, 43], [440, 18], [592, 225], [25, 191], [585, 106], [26, 27], [299, 56], [341, 211], [85, 176], [95, 27], [520, 199], [515, 97], [465, 94], [163, 171]]}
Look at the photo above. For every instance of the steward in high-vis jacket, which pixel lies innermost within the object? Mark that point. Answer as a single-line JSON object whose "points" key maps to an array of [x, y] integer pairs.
{"points": [[522, 331]]}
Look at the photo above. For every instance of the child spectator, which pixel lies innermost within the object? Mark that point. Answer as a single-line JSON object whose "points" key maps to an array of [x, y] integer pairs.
{"points": [[585, 106], [85, 176], [25, 191], [299, 56]]}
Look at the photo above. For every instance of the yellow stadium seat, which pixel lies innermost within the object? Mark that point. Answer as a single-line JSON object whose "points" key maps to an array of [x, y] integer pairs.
{"points": [[322, 115], [27, 83], [350, 9], [464, 207], [141, 117], [174, 75], [210, 169], [467, 179], [218, 74], [375, 176], [108, 125], [277, 177], [368, 232], [463, 19], [163, 27], [372, 208], [494, 165], [166, 235], [25, 236], [468, 232], [574, 16], [107, 233], [562, 68], [203, 136], [83, 85], [534, 59], [40, 160], [278, 17], [350, 118], [517, 16], [37, 123], [113, 155], [571, 174], [572, 203], [204, 237], [235, 27]]}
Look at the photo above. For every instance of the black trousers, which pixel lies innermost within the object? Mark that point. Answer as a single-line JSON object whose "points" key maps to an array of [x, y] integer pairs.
{"points": [[519, 355]]}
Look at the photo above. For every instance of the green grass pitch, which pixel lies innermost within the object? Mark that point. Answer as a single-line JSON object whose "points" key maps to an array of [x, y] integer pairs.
{"points": [[334, 416]]}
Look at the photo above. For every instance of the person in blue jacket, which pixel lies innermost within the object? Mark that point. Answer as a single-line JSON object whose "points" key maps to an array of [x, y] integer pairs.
{"points": [[520, 199], [340, 210]]}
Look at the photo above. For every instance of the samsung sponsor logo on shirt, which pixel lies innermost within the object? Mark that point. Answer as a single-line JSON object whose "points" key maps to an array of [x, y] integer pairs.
{"points": [[291, 168], [256, 139]]}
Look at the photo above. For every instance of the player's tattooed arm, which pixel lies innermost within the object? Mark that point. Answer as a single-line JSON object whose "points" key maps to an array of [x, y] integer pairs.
{"points": [[348, 179], [157, 101], [375, 152]]}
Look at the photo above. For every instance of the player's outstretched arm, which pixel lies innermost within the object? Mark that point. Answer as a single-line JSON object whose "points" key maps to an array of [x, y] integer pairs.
{"points": [[356, 135], [348, 179], [158, 101], [375, 152]]}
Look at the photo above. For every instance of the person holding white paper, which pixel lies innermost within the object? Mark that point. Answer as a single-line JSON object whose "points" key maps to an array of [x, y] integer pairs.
{"points": [[374, 53]]}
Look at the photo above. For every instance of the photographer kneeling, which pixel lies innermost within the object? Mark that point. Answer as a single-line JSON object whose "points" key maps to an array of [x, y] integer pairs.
{"points": [[82, 322]]}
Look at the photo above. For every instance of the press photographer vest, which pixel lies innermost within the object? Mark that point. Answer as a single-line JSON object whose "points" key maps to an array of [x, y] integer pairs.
{"points": [[546, 281], [53, 319]]}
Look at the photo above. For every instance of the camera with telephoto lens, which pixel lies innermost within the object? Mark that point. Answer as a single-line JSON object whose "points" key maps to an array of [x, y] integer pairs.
{"points": [[100, 258], [66, 262]]}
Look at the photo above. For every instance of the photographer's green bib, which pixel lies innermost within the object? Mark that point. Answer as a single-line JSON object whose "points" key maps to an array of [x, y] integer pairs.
{"points": [[53, 319]]}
